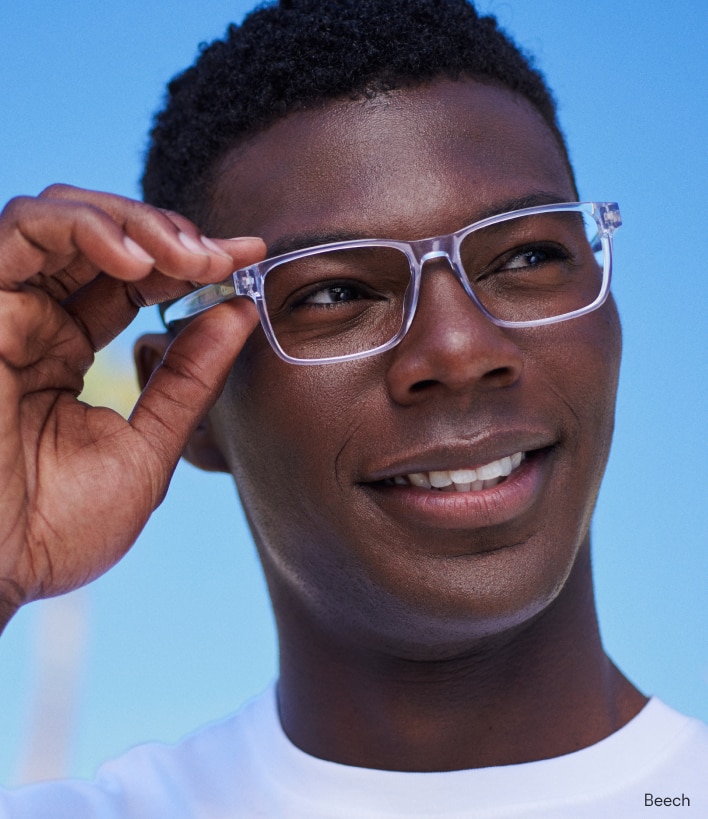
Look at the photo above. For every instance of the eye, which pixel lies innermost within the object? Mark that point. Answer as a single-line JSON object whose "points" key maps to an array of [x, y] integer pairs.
{"points": [[531, 257], [538, 265], [333, 294]]}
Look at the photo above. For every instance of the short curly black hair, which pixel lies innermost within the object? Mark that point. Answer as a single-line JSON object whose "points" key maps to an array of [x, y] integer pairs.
{"points": [[297, 54]]}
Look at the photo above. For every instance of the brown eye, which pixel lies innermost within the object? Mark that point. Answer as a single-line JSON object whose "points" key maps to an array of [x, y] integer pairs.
{"points": [[527, 259], [334, 294], [531, 257]]}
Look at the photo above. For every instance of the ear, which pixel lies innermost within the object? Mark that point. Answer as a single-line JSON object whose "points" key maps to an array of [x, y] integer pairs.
{"points": [[201, 450]]}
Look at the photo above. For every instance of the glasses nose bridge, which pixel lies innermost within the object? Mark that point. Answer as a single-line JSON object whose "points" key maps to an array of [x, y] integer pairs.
{"points": [[434, 254], [447, 248], [440, 247]]}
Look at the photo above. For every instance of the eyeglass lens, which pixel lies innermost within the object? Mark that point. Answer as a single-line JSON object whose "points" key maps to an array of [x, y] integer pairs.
{"points": [[342, 302]]}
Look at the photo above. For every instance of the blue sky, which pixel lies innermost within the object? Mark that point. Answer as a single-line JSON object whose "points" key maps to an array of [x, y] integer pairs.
{"points": [[180, 632]]}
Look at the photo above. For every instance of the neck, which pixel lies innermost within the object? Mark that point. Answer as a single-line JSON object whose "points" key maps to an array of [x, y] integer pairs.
{"points": [[541, 691]]}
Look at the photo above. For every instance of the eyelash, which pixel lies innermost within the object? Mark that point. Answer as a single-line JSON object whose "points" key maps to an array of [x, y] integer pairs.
{"points": [[548, 253], [361, 293]]}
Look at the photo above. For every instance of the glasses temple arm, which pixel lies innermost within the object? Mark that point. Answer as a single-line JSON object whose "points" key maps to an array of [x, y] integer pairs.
{"points": [[241, 283]]}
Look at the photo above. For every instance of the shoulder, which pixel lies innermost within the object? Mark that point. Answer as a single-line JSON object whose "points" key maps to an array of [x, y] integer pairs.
{"points": [[207, 773], [669, 757], [680, 742]]}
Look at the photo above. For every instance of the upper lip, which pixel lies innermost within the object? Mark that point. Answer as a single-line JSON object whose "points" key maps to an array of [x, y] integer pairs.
{"points": [[459, 455]]}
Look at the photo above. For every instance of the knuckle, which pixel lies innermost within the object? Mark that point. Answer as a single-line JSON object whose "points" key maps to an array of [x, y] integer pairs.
{"points": [[14, 312], [176, 218], [15, 207], [158, 218], [58, 190], [176, 221]]}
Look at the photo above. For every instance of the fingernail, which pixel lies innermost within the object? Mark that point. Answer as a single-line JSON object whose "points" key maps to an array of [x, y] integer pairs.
{"points": [[245, 239], [136, 251], [209, 245], [191, 244]]}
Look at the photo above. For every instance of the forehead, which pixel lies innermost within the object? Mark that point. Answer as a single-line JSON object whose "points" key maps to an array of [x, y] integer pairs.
{"points": [[402, 165]]}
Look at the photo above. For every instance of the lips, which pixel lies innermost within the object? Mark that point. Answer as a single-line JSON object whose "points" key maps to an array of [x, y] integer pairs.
{"points": [[488, 492], [461, 480]]}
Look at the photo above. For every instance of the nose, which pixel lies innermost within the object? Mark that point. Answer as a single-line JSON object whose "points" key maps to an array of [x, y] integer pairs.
{"points": [[451, 345]]}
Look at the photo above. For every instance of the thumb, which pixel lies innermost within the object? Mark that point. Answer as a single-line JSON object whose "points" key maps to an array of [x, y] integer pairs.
{"points": [[190, 378]]}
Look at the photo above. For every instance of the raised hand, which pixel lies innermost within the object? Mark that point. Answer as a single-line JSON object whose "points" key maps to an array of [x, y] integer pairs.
{"points": [[78, 483]]}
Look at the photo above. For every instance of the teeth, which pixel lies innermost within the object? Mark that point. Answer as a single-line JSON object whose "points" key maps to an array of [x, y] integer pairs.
{"points": [[440, 479], [489, 471], [506, 466], [463, 475], [420, 479], [462, 480]]}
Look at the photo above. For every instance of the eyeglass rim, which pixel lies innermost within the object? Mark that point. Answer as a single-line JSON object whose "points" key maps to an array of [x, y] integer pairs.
{"points": [[248, 281]]}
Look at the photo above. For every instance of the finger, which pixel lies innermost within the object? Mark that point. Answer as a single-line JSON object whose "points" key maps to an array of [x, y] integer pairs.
{"points": [[12, 486], [179, 250], [106, 306], [70, 240], [40, 344], [191, 377], [44, 236], [243, 250]]}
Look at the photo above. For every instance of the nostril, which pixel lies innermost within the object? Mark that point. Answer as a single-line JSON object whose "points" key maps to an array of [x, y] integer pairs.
{"points": [[499, 372], [421, 386]]}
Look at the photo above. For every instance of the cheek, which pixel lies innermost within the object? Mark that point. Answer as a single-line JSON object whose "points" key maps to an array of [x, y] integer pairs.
{"points": [[580, 366], [283, 429], [595, 360], [283, 426]]}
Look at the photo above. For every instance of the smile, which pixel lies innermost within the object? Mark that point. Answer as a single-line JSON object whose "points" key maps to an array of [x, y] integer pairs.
{"points": [[461, 480], [490, 494]]}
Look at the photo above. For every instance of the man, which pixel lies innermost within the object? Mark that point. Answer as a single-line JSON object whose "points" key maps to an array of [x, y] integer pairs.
{"points": [[417, 429]]}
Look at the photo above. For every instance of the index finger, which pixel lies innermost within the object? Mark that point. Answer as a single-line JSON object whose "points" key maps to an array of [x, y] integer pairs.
{"points": [[44, 236], [107, 306], [175, 244]]}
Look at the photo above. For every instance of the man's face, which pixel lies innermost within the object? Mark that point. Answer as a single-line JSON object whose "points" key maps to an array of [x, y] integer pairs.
{"points": [[316, 450]]}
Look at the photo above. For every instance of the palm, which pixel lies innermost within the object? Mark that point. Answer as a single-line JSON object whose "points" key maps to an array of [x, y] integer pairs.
{"points": [[86, 485]]}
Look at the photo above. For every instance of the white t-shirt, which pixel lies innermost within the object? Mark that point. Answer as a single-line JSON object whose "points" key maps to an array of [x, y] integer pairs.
{"points": [[245, 766]]}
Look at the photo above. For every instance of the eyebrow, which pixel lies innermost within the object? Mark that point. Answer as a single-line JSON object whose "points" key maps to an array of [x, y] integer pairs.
{"points": [[299, 241]]}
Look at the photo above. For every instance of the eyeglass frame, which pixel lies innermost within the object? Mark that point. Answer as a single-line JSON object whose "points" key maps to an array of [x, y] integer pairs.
{"points": [[249, 281]]}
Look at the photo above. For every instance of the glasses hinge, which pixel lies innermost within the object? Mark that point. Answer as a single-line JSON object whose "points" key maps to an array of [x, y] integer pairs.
{"points": [[610, 215], [245, 282]]}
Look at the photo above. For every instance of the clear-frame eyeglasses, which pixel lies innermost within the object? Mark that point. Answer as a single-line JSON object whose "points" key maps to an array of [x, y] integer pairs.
{"points": [[352, 299]]}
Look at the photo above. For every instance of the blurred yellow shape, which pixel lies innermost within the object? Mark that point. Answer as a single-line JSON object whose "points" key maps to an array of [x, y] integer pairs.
{"points": [[111, 381]]}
